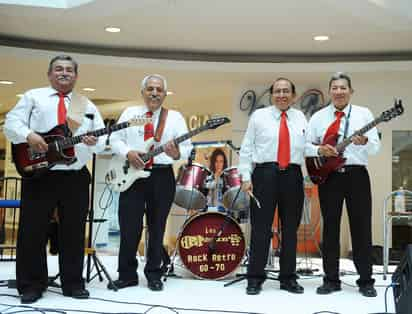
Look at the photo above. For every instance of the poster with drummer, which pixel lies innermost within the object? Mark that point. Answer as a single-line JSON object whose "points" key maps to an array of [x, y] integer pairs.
{"points": [[210, 242]]}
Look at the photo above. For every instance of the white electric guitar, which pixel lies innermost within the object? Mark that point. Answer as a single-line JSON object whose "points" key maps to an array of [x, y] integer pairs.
{"points": [[122, 174]]}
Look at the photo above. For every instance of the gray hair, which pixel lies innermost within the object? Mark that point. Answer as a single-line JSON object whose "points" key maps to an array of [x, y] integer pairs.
{"points": [[339, 76], [62, 58], [156, 76]]}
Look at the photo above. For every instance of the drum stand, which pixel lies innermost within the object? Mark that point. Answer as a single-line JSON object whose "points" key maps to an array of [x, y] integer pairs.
{"points": [[269, 270], [170, 266], [308, 270]]}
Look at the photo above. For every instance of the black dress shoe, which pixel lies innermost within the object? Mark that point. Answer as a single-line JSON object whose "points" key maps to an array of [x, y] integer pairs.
{"points": [[253, 288], [120, 284], [291, 286], [328, 287], [30, 296], [80, 293], [155, 284], [368, 291]]}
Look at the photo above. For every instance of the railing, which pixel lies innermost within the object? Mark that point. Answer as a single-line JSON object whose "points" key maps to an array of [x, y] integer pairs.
{"points": [[9, 213]]}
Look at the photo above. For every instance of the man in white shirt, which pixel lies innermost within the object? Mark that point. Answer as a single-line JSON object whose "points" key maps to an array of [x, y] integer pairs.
{"points": [[64, 186], [270, 162], [350, 183], [154, 195]]}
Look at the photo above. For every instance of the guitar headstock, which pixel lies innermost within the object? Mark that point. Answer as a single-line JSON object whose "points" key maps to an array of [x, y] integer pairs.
{"points": [[213, 123], [393, 112], [139, 120]]}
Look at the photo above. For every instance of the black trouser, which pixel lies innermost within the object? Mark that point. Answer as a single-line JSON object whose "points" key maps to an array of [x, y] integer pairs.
{"points": [[153, 195], [282, 189], [69, 192], [354, 187]]}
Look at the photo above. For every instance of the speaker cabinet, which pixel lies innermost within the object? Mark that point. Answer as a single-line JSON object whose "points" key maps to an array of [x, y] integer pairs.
{"points": [[402, 290]]}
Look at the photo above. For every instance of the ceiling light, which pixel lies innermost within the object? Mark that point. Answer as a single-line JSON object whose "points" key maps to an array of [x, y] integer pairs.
{"points": [[112, 29], [6, 82], [89, 89], [321, 38], [169, 92]]}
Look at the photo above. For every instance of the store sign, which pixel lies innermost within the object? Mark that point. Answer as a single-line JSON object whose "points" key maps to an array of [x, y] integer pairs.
{"points": [[196, 121]]}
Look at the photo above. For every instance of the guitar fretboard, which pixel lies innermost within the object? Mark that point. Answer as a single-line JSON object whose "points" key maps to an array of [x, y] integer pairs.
{"points": [[158, 150], [341, 146]]}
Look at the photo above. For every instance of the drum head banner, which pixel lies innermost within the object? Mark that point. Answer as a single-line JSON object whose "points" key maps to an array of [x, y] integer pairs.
{"points": [[211, 245]]}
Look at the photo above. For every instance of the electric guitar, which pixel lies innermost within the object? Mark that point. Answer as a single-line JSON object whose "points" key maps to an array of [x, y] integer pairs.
{"points": [[30, 163], [122, 174], [319, 168]]}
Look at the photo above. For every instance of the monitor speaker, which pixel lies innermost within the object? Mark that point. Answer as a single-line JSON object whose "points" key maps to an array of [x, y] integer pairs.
{"points": [[402, 290]]}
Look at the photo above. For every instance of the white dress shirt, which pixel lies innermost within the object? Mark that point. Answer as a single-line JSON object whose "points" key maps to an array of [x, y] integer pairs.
{"points": [[133, 138], [358, 118], [260, 143], [37, 111]]}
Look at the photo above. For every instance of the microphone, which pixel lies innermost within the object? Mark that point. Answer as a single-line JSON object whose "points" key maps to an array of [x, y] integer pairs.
{"points": [[192, 156]]}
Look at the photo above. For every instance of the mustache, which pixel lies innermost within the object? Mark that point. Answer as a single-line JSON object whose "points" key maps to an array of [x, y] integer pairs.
{"points": [[65, 77], [155, 97]]}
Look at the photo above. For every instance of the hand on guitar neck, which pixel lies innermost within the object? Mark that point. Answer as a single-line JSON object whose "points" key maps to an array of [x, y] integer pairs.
{"points": [[172, 150], [359, 140]]}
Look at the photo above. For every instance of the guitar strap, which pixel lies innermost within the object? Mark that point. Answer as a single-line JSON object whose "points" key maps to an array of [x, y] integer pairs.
{"points": [[76, 111], [345, 132], [161, 124]]}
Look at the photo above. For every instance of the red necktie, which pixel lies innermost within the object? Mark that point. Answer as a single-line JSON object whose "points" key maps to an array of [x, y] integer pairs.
{"points": [[148, 134], [284, 143], [334, 127], [61, 110]]}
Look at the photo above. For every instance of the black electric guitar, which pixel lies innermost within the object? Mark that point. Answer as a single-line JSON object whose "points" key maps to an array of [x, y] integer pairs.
{"points": [[319, 168]]}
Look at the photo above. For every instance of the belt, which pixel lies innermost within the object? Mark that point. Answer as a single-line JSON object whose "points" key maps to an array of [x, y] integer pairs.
{"points": [[272, 164], [160, 166], [349, 168]]}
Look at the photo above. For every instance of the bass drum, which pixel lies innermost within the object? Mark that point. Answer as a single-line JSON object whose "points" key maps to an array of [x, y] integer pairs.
{"points": [[190, 186], [211, 245]]}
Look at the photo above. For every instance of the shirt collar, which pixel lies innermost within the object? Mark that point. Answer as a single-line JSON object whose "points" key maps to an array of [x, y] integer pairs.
{"points": [[155, 113], [53, 92], [345, 110], [277, 113]]}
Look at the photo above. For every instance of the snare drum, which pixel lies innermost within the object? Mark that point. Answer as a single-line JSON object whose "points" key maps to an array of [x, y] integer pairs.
{"points": [[207, 255], [233, 199], [191, 192]]}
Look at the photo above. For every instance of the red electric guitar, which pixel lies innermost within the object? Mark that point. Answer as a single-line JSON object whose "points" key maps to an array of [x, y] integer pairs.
{"points": [[30, 163], [319, 168]]}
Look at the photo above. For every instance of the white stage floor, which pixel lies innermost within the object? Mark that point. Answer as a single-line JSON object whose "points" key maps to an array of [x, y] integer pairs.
{"points": [[195, 296]]}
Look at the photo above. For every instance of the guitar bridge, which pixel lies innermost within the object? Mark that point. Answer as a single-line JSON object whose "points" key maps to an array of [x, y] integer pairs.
{"points": [[33, 155]]}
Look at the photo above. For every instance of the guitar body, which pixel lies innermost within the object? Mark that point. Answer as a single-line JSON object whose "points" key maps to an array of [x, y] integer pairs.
{"points": [[31, 164], [319, 168], [121, 174]]}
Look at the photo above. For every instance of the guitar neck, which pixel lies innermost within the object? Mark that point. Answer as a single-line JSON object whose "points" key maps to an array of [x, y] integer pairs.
{"points": [[341, 146], [71, 141], [158, 150]]}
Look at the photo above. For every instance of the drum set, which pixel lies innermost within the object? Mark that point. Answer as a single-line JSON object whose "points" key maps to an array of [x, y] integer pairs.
{"points": [[211, 244]]}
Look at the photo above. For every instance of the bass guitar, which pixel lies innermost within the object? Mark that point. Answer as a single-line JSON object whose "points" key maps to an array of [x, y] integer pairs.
{"points": [[319, 168], [122, 174], [30, 163]]}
